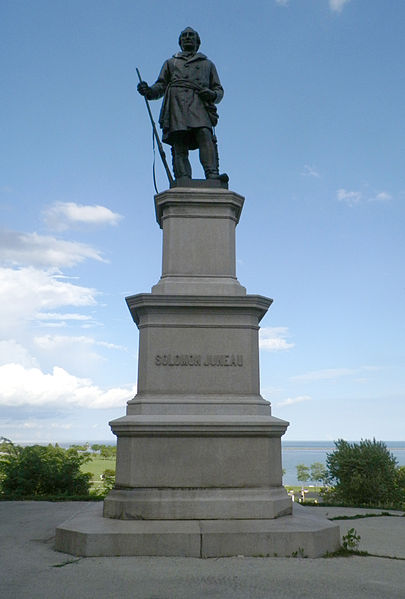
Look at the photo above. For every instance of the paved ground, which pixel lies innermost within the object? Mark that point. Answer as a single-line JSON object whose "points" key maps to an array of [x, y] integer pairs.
{"points": [[31, 569]]}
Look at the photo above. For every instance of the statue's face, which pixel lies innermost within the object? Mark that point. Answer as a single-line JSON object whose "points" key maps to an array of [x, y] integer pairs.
{"points": [[188, 40]]}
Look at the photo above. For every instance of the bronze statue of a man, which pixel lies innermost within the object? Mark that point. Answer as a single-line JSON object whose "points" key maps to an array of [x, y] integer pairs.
{"points": [[191, 87]]}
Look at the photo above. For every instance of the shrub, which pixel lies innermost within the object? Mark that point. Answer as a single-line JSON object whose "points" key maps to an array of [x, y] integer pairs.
{"points": [[108, 480], [38, 470], [400, 483], [363, 473], [351, 540]]}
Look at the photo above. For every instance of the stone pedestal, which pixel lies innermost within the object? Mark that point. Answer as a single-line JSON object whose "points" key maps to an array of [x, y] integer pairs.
{"points": [[198, 452]]}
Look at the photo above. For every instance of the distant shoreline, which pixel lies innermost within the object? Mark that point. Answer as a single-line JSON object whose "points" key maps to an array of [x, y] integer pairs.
{"points": [[287, 445]]}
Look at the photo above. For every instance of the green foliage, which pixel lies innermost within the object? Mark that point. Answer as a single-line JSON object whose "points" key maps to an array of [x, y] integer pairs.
{"points": [[80, 447], [108, 480], [351, 540], [37, 470], [364, 473], [400, 483], [318, 472], [350, 546], [303, 473], [299, 553], [5, 445], [107, 452]]}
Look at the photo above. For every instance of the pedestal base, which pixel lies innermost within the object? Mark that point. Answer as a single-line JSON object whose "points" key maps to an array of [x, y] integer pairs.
{"points": [[88, 534], [197, 504]]}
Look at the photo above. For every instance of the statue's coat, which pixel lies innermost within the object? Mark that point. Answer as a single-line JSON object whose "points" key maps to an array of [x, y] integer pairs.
{"points": [[179, 80]]}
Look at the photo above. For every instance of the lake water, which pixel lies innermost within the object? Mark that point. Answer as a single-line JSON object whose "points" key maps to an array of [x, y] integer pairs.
{"points": [[299, 452]]}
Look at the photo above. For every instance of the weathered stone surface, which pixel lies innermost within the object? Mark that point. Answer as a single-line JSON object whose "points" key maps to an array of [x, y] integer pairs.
{"points": [[198, 241], [192, 346], [197, 504], [302, 534]]}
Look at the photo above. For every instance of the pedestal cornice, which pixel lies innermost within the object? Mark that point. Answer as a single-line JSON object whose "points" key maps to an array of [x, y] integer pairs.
{"points": [[141, 301], [201, 425], [188, 202]]}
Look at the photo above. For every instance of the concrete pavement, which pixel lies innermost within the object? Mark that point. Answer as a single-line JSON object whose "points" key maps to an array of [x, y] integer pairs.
{"points": [[30, 568]]}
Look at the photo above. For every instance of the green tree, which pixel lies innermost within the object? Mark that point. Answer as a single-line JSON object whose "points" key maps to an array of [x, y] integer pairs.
{"points": [[39, 470], [303, 473], [363, 473], [6, 446], [80, 447], [108, 451], [318, 472]]}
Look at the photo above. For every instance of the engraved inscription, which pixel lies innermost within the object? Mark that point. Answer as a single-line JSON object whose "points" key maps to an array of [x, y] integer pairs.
{"points": [[223, 360], [178, 360], [196, 360]]}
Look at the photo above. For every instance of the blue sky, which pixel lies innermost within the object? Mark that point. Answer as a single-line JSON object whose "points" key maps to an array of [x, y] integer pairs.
{"points": [[311, 132]]}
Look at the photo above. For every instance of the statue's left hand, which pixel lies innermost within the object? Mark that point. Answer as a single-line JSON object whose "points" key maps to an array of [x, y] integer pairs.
{"points": [[207, 95], [143, 88]]}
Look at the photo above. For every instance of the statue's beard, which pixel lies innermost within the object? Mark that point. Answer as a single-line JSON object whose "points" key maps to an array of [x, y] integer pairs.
{"points": [[189, 50]]}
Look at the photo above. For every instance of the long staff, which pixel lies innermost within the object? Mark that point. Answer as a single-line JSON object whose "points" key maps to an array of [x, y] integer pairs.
{"points": [[156, 136]]}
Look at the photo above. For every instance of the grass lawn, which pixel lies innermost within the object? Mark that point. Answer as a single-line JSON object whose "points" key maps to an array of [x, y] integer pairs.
{"points": [[96, 466], [312, 494]]}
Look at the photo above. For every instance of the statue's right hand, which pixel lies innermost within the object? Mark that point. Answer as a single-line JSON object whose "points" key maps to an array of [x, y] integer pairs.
{"points": [[143, 88]]}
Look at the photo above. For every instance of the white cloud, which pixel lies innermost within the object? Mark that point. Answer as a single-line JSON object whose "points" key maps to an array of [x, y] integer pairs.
{"points": [[61, 316], [332, 373], [21, 386], [274, 339], [61, 216], [33, 429], [43, 288], [43, 250], [57, 342], [26, 291], [383, 196], [293, 400], [337, 5], [60, 319], [355, 197], [79, 354], [310, 171], [350, 197], [11, 351], [57, 320]]}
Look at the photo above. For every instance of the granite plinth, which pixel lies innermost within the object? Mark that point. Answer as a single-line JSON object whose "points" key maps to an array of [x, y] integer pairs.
{"points": [[198, 350], [302, 534], [198, 256]]}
